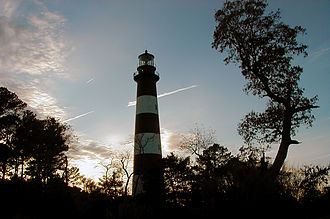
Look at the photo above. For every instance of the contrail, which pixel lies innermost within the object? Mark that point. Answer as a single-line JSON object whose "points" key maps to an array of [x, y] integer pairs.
{"points": [[176, 91], [133, 103], [90, 80], [79, 116]]}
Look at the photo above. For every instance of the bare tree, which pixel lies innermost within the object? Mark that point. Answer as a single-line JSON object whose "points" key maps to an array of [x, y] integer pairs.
{"points": [[198, 140], [125, 159], [111, 182]]}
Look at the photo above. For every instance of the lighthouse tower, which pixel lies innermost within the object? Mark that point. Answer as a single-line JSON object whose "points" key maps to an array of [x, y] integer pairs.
{"points": [[147, 179]]}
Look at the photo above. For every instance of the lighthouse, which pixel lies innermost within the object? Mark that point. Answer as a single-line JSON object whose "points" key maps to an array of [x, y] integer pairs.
{"points": [[147, 179]]}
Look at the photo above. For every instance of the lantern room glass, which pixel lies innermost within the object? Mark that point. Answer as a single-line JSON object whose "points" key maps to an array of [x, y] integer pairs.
{"points": [[146, 59]]}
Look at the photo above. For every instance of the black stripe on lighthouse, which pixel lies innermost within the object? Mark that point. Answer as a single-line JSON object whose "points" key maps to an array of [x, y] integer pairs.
{"points": [[146, 86], [147, 123]]}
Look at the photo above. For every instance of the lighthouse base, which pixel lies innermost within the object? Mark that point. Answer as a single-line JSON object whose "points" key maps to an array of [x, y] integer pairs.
{"points": [[148, 175]]}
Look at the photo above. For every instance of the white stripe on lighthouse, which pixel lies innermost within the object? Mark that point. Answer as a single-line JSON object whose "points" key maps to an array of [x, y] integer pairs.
{"points": [[147, 143], [146, 104]]}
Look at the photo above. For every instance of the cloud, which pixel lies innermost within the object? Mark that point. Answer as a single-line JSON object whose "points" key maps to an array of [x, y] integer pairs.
{"points": [[33, 52], [36, 48], [79, 116], [171, 141], [133, 103], [319, 53], [37, 99], [43, 103], [91, 149], [8, 7], [88, 154]]}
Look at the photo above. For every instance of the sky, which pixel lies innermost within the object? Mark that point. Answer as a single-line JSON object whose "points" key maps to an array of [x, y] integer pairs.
{"points": [[75, 59]]}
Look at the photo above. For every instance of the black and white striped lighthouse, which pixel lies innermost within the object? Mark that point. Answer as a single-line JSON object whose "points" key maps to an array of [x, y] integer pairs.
{"points": [[147, 179]]}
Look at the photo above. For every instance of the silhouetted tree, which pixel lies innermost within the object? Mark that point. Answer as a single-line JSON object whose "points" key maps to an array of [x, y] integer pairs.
{"points": [[9, 103], [178, 180], [212, 172], [52, 140], [5, 155], [89, 185], [264, 47], [198, 140], [111, 182], [73, 176], [305, 184], [213, 158], [10, 109], [25, 138], [125, 159]]}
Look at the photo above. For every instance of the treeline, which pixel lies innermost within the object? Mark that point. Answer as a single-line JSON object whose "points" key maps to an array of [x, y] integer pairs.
{"points": [[30, 147], [38, 182], [220, 183]]}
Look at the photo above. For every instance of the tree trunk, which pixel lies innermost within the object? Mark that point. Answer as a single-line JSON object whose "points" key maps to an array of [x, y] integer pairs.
{"points": [[16, 167], [280, 158], [22, 167], [66, 171], [126, 185], [284, 145], [4, 167]]}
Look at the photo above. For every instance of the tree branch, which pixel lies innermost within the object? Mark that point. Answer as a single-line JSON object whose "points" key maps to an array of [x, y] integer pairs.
{"points": [[294, 142], [303, 108], [270, 94]]}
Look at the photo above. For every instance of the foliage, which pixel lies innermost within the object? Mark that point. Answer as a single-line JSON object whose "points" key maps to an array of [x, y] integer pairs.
{"points": [[111, 184], [306, 184], [219, 178], [9, 103], [264, 47], [5, 154], [52, 140], [73, 177], [10, 109], [27, 140], [178, 180]]}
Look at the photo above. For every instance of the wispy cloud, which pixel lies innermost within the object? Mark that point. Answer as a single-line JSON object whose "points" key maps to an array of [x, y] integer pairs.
{"points": [[171, 140], [133, 103], [90, 81], [79, 116], [316, 54], [87, 154], [33, 52], [8, 7], [36, 48], [28, 90]]}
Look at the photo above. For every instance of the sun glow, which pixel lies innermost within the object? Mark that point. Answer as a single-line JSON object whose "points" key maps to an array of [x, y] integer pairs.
{"points": [[91, 168], [170, 141], [165, 135]]}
